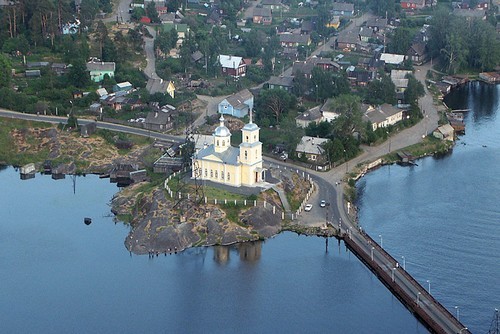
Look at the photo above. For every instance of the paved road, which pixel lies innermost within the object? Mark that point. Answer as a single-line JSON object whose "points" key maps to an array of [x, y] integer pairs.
{"points": [[120, 12], [101, 125]]}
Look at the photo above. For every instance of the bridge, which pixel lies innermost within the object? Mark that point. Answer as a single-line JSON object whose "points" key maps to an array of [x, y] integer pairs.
{"points": [[419, 301]]}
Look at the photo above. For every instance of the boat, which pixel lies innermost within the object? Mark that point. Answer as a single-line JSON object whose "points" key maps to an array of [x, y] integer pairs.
{"points": [[87, 221]]}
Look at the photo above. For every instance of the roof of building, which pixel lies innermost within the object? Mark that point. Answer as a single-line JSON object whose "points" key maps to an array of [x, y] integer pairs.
{"points": [[271, 2], [311, 145], [343, 6], [469, 12], [197, 55], [400, 74], [238, 100], [264, 12], [365, 32], [391, 58], [100, 66], [376, 22], [418, 48], [229, 156], [230, 61], [124, 84], [284, 81], [381, 113], [179, 27], [294, 38], [155, 117], [446, 129], [310, 115]]}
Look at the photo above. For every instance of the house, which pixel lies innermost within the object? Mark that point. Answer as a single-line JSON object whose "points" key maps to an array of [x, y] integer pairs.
{"points": [[101, 92], [342, 9], [71, 28], [328, 111], [181, 28], [312, 115], [382, 116], [232, 66], [289, 40], [359, 78], [197, 56], [95, 108], [168, 18], [99, 69], [238, 105], [347, 42], [158, 121], [445, 132], [305, 68], [272, 4], [262, 16], [311, 148], [306, 27], [122, 87], [490, 77], [365, 34], [417, 53], [376, 24], [480, 4], [59, 68], [233, 166], [399, 79], [281, 82], [412, 4]]}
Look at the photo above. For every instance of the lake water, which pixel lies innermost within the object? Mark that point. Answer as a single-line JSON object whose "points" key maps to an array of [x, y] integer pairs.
{"points": [[443, 215], [59, 275]]}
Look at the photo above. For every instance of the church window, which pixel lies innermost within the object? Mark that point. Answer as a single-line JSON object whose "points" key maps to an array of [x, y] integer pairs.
{"points": [[222, 175], [228, 176], [223, 143], [247, 138], [217, 142], [216, 176], [211, 173], [206, 172], [254, 137], [246, 155]]}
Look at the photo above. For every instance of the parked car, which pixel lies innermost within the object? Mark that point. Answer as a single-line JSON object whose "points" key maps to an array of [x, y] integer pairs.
{"points": [[322, 203], [308, 207]]}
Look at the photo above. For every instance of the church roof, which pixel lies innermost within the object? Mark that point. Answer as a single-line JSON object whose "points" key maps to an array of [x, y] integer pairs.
{"points": [[229, 156]]}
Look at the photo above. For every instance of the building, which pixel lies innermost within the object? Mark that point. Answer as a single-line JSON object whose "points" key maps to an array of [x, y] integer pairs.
{"points": [[238, 105], [445, 132], [312, 115], [272, 4], [311, 147], [399, 78], [281, 82], [288, 40], [232, 65], [122, 87], [99, 69], [233, 166], [392, 58], [328, 111], [412, 4], [262, 16], [342, 9], [417, 53], [383, 116], [158, 121]]}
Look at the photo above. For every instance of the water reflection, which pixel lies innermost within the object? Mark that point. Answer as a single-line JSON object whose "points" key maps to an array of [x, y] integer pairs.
{"points": [[247, 251]]}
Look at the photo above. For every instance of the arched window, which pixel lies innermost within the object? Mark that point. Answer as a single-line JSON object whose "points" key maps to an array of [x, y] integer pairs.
{"points": [[217, 142], [246, 154], [211, 173], [254, 137], [247, 138], [222, 175], [216, 174], [228, 176], [206, 172], [223, 143]]}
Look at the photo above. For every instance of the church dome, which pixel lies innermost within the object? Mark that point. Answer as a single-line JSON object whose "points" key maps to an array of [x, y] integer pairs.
{"points": [[222, 130]]}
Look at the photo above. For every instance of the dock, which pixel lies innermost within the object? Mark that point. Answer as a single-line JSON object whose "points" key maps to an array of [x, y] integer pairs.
{"points": [[435, 317]]}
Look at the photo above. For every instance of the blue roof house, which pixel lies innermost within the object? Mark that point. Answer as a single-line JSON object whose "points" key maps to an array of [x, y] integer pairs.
{"points": [[237, 105]]}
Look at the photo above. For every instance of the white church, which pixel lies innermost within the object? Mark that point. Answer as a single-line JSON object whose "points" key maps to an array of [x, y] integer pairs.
{"points": [[234, 166]]}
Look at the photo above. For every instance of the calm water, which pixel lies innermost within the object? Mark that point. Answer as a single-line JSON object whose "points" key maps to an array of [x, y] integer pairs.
{"points": [[443, 215], [60, 276]]}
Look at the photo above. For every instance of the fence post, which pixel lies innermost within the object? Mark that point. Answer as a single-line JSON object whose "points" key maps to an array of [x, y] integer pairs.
{"points": [[282, 215], [180, 195], [235, 202], [274, 209], [264, 204], [245, 202], [254, 203], [225, 201], [215, 201], [206, 200], [188, 195]]}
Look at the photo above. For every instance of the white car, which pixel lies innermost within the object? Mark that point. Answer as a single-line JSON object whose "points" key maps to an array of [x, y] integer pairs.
{"points": [[322, 203], [308, 207]]}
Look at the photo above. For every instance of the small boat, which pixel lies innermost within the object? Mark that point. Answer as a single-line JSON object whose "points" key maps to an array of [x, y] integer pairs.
{"points": [[87, 221]]}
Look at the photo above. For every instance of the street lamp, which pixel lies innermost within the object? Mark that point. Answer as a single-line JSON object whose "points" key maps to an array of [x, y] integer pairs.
{"points": [[381, 241], [458, 312], [404, 262], [429, 288]]}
